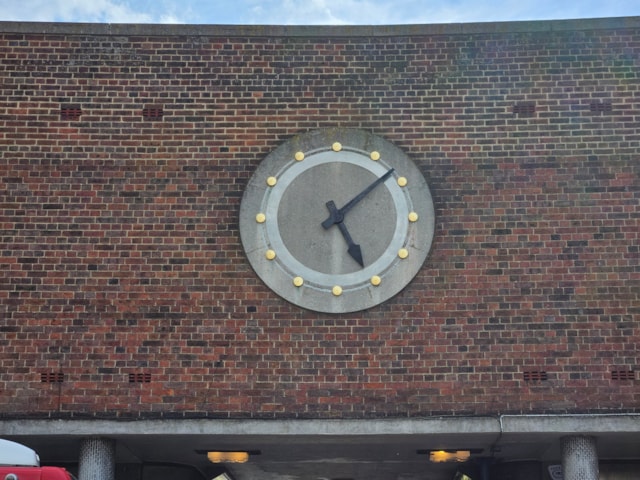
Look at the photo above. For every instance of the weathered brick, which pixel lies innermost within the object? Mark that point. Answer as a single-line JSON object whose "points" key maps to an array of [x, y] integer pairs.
{"points": [[121, 255]]}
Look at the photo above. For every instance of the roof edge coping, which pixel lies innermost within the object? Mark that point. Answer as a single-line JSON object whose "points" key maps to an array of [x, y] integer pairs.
{"points": [[326, 31]]}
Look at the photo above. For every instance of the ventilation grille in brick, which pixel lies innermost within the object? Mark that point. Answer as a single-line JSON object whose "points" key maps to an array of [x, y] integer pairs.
{"points": [[535, 376], [623, 375], [52, 377], [139, 378], [70, 112], [600, 107], [526, 109], [152, 112]]}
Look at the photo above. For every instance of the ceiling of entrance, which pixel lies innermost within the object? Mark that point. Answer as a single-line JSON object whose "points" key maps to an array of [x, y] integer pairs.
{"points": [[382, 450]]}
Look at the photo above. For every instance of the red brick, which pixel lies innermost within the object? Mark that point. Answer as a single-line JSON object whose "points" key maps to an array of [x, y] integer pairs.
{"points": [[120, 251]]}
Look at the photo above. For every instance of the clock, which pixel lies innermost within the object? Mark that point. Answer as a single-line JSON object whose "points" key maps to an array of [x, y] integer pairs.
{"points": [[337, 220]]}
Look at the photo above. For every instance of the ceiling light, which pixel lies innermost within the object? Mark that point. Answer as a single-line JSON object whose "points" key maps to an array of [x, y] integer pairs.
{"points": [[439, 456], [228, 457]]}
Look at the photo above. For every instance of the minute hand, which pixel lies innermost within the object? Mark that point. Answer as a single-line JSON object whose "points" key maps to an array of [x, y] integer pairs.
{"points": [[337, 216]]}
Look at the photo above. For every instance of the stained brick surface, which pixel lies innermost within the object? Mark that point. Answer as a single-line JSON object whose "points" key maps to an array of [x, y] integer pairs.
{"points": [[120, 255]]}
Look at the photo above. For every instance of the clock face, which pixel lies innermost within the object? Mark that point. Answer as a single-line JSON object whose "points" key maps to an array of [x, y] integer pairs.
{"points": [[337, 220]]}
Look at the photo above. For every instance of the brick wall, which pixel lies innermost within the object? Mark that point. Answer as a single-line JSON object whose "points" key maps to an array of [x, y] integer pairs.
{"points": [[123, 155]]}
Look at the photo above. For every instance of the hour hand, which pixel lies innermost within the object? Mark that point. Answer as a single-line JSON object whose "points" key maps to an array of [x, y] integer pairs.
{"points": [[352, 247]]}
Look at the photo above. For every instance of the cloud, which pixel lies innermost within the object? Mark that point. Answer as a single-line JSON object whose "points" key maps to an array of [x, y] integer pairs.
{"points": [[309, 12], [103, 11], [376, 12], [287, 12], [332, 12]]}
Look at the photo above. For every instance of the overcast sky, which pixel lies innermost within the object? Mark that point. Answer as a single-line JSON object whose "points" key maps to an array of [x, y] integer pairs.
{"points": [[308, 12]]}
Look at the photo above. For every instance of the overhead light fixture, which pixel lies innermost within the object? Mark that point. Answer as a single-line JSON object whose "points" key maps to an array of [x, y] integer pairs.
{"points": [[227, 457], [439, 456]]}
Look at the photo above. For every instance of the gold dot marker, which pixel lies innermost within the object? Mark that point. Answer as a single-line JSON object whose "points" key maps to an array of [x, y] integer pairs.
{"points": [[375, 156], [261, 218], [337, 290], [413, 217], [402, 181], [270, 254], [376, 280], [271, 181], [403, 253], [336, 147], [298, 281], [299, 156]]}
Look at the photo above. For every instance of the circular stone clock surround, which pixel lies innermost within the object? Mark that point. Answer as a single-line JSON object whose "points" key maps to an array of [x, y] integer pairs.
{"points": [[284, 206]]}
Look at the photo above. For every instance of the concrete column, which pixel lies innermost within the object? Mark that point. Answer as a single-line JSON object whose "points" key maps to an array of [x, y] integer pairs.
{"points": [[97, 459], [579, 458]]}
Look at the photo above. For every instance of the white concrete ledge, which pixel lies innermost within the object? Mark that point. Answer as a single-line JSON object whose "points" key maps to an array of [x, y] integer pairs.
{"points": [[578, 424], [462, 425], [506, 424]]}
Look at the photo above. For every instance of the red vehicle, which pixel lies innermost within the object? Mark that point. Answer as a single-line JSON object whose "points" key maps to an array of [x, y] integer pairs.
{"points": [[18, 462]]}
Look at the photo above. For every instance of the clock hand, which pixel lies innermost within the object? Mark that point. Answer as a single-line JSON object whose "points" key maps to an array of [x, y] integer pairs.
{"points": [[353, 248], [337, 216]]}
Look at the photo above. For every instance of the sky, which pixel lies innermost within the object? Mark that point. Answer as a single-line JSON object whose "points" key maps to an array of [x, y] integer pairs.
{"points": [[310, 12]]}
